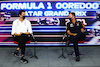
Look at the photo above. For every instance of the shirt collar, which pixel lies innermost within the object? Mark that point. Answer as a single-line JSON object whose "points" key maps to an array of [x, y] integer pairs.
{"points": [[20, 21]]}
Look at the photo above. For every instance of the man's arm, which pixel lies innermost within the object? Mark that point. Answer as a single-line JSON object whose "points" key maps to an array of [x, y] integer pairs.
{"points": [[68, 30], [82, 30], [13, 29], [73, 34], [29, 28], [16, 34], [27, 33]]}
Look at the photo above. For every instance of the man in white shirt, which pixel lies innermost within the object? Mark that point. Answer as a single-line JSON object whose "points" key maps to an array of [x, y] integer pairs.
{"points": [[21, 28]]}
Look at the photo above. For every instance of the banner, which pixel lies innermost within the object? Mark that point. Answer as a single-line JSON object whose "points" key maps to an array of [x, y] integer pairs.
{"points": [[49, 19], [50, 9]]}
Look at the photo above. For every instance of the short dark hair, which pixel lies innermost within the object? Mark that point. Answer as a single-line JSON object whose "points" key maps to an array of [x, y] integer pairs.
{"points": [[73, 13], [20, 12]]}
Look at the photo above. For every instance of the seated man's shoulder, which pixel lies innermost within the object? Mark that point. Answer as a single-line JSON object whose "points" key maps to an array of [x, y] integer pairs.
{"points": [[27, 20]]}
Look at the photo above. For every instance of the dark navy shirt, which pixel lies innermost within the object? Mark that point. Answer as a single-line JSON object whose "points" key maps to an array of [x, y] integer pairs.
{"points": [[74, 28]]}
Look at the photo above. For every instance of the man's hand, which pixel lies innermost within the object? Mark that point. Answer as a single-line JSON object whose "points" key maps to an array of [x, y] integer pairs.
{"points": [[21, 33], [27, 33], [17, 34], [74, 34], [82, 30]]}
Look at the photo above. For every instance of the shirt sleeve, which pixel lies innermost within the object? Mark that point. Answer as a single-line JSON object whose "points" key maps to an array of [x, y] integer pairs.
{"points": [[29, 27], [13, 28], [81, 25], [68, 26]]}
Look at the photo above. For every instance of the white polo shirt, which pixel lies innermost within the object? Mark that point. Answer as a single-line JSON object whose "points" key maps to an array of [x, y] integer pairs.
{"points": [[19, 26]]}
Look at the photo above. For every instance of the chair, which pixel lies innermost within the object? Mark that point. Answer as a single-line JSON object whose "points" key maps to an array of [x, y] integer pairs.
{"points": [[30, 38]]}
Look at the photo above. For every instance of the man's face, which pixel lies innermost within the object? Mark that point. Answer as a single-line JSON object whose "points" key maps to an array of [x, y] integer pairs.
{"points": [[22, 14], [70, 16]]}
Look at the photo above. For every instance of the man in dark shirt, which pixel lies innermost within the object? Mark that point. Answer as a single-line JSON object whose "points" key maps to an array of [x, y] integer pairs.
{"points": [[76, 31]]}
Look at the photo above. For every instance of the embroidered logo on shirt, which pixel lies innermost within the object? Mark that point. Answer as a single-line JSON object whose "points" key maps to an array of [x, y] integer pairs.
{"points": [[77, 24], [71, 25]]}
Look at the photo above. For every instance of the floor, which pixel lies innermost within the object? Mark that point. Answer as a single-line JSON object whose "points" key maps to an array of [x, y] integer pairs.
{"points": [[48, 57]]}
